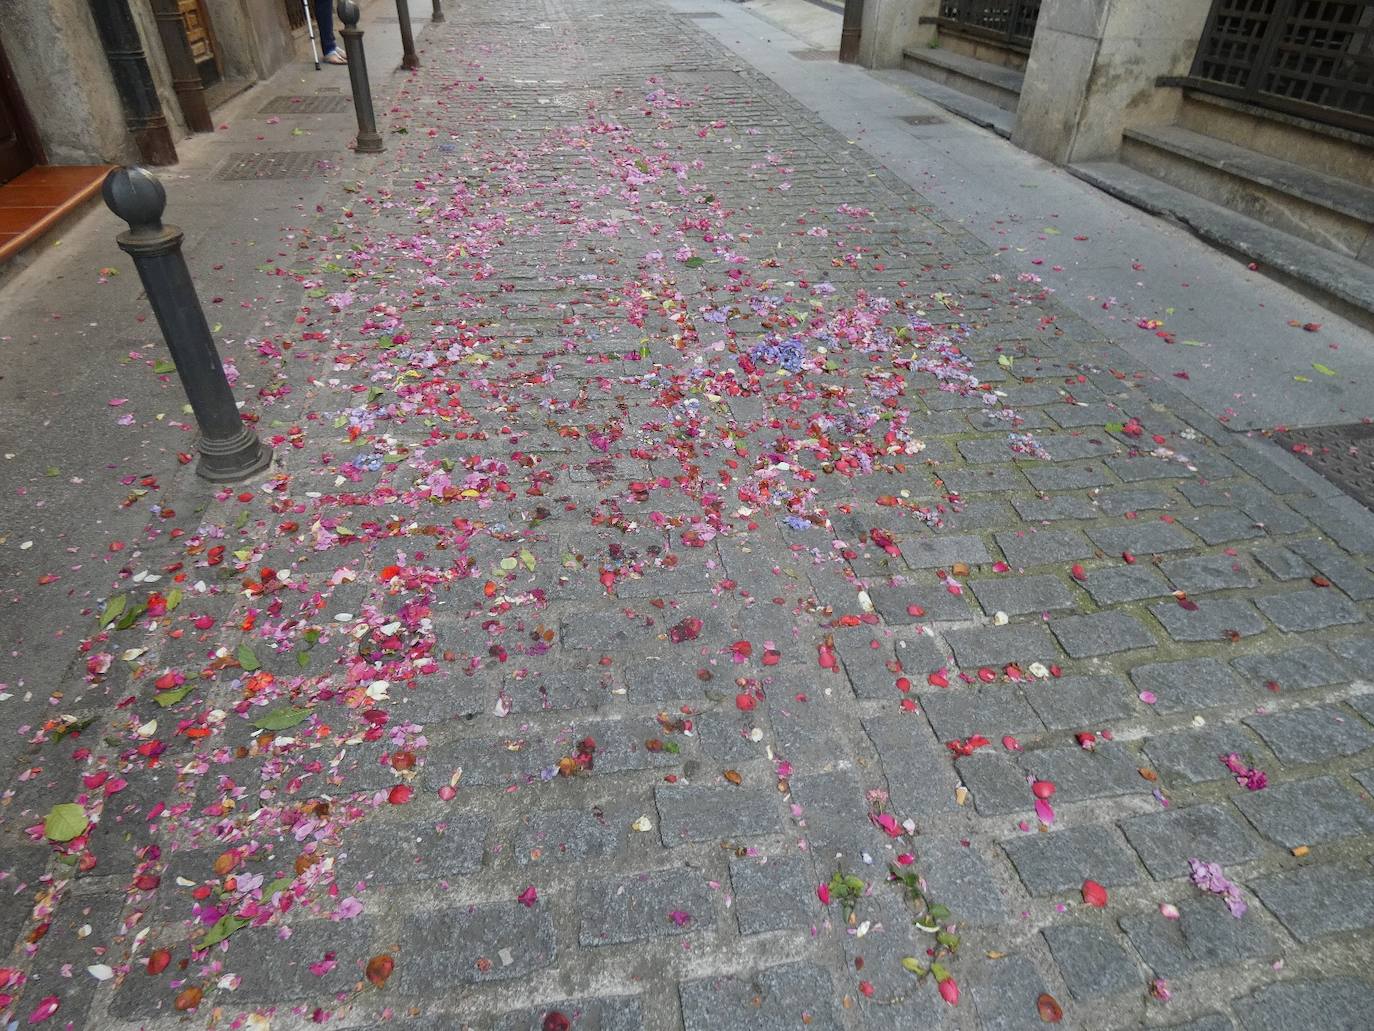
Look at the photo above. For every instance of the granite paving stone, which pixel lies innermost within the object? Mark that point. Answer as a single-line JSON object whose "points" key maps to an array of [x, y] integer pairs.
{"points": [[475, 936], [1205, 936], [769, 1000], [996, 646], [1100, 633], [1026, 548], [641, 906], [772, 893], [1332, 1004], [690, 812], [1091, 959], [1142, 538], [1214, 619], [1314, 609], [1319, 900], [607, 1013], [1307, 812], [1293, 669], [1194, 756], [1280, 562], [1115, 584], [1004, 997], [1312, 734], [1166, 841], [1017, 596], [961, 711], [1060, 861], [1066, 703], [1188, 684], [1202, 573]]}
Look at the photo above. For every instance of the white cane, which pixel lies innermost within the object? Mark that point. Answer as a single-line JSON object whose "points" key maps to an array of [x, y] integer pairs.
{"points": [[310, 31]]}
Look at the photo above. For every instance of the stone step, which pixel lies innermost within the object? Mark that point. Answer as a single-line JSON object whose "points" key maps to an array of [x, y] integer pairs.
{"points": [[992, 83], [969, 108], [1340, 282], [1320, 208]]}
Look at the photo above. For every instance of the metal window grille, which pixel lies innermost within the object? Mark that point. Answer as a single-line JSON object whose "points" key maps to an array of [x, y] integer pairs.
{"points": [[1012, 20], [1310, 57]]}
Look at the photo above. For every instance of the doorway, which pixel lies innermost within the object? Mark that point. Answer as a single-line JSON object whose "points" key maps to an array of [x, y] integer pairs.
{"points": [[200, 33], [19, 149]]}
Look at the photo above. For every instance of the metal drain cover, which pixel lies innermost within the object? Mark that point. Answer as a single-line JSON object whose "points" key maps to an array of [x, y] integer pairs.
{"points": [[279, 164], [310, 104], [1342, 454], [922, 119], [815, 55]]}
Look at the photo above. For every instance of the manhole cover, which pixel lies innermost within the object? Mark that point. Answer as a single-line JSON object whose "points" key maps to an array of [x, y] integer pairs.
{"points": [[1342, 454], [815, 55], [923, 119], [310, 104], [279, 164]]}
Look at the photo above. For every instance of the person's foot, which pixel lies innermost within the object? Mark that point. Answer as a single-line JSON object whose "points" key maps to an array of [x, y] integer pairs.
{"points": [[336, 56]]}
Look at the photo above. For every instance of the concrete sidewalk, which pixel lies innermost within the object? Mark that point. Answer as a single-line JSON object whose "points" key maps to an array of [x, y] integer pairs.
{"points": [[702, 585]]}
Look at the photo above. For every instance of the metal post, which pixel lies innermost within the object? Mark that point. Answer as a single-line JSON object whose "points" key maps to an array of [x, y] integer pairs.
{"points": [[129, 67], [229, 450], [185, 79], [408, 58], [369, 141], [850, 31], [438, 10]]}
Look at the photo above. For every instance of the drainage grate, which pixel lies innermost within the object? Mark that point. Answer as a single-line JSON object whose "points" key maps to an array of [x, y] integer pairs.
{"points": [[311, 104], [815, 55], [1342, 454], [922, 119], [279, 164]]}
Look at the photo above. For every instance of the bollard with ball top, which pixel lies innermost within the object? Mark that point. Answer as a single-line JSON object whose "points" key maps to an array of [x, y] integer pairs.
{"points": [[369, 140], [229, 450], [438, 10], [409, 59]]}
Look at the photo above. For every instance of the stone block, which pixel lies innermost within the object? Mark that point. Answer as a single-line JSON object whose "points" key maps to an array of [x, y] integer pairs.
{"points": [[1214, 619], [996, 646], [1004, 995], [1223, 525], [1052, 509], [1050, 863], [936, 604], [919, 775], [1022, 595], [777, 999], [1116, 584], [958, 876], [1280, 562], [873, 663], [1359, 652], [1194, 756], [690, 812], [1092, 960], [1188, 684], [773, 893], [606, 1013], [1204, 937], [386, 853], [1306, 812], [1066, 703], [640, 907], [1048, 478], [1202, 573], [1026, 548], [558, 835], [1313, 734], [1293, 669], [1120, 502], [963, 710], [1315, 901], [941, 552], [1328, 1004], [1143, 538], [493, 942], [1314, 609], [1166, 840], [1100, 633]]}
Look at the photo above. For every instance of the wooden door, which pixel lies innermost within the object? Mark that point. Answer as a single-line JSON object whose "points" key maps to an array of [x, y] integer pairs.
{"points": [[201, 35], [17, 151]]}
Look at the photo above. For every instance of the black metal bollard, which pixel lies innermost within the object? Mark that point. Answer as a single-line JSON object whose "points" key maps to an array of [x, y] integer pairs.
{"points": [[850, 31], [408, 58], [369, 141], [438, 10], [229, 450]]}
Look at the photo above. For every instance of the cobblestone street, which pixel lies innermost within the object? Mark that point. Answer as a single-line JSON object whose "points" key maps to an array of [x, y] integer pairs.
{"points": [[698, 589]]}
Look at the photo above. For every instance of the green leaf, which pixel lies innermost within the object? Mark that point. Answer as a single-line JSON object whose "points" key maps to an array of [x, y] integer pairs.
{"points": [[941, 973], [162, 366], [113, 608], [1005, 360], [1303, 379], [1115, 427], [1324, 370], [695, 262], [912, 965], [373, 393], [281, 719], [247, 659], [949, 941], [939, 912], [131, 616], [280, 884], [221, 929], [174, 597], [65, 821], [303, 659], [169, 698], [672, 746]]}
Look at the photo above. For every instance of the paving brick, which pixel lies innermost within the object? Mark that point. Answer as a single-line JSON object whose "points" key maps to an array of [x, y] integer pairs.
{"points": [[1092, 960], [1005, 993], [828, 803], [957, 875], [919, 774], [998, 782], [1306, 812], [385, 853], [1319, 900], [772, 893], [1281, 563], [607, 1013], [1025, 548], [1334, 1004], [650, 682], [1313, 734], [637, 907], [1203, 573], [1220, 526], [724, 735], [873, 671], [1359, 652], [1210, 1022], [1294, 669], [963, 710], [67, 943], [1100, 633], [1119, 502], [562, 689], [1194, 756], [690, 812], [1206, 935], [1364, 705], [1338, 567], [474, 937], [1066, 703], [988, 479], [1021, 595], [1167, 840], [1060, 861], [1273, 516], [941, 552], [778, 999], [974, 647], [1116, 584], [559, 835], [1315, 609], [1142, 537], [1214, 619], [1063, 506], [1136, 469], [936, 603], [1188, 684], [1068, 477]]}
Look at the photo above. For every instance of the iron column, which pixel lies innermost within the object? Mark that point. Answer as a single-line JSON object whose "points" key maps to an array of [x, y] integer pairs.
{"points": [[229, 450], [369, 141], [408, 58]]}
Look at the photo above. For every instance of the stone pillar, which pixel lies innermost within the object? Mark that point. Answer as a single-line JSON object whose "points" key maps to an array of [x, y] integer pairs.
{"points": [[890, 26], [1092, 72]]}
